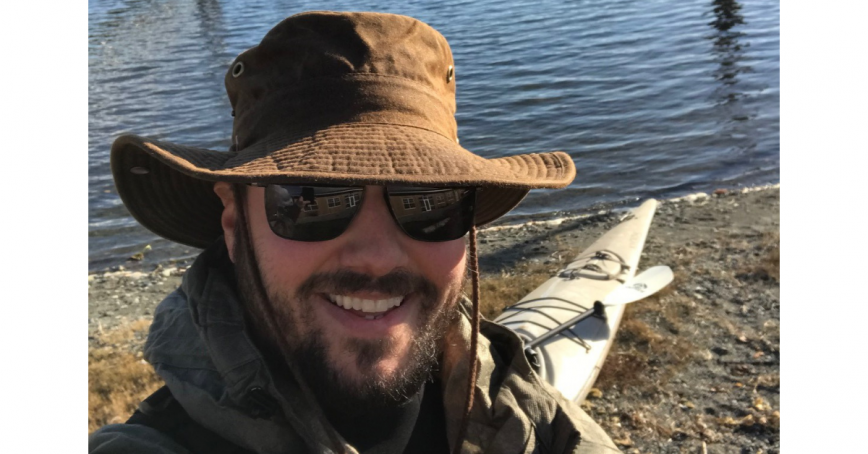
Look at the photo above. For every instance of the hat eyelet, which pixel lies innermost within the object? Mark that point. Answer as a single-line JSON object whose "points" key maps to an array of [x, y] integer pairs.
{"points": [[450, 74], [237, 69], [139, 171]]}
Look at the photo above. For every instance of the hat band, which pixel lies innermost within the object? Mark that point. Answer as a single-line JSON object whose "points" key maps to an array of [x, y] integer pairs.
{"points": [[358, 98]]}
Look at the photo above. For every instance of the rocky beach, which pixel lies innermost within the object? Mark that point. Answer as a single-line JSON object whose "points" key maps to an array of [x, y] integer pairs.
{"points": [[695, 368]]}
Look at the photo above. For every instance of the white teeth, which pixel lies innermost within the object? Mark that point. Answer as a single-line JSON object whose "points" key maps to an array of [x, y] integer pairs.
{"points": [[373, 306]]}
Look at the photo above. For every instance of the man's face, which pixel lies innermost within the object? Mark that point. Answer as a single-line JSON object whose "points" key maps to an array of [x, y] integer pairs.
{"points": [[406, 291]]}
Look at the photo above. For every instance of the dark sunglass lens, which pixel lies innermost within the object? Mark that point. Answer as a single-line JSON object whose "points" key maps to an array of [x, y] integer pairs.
{"points": [[310, 213], [432, 214]]}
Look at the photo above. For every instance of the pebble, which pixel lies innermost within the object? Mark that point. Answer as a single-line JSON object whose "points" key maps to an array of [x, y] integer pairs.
{"points": [[691, 198], [720, 351], [625, 441], [760, 404]]}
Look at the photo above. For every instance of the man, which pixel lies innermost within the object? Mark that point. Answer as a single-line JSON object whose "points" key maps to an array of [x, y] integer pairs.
{"points": [[339, 327]]}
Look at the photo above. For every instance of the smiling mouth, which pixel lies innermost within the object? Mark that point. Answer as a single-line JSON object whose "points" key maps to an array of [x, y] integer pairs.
{"points": [[366, 308]]}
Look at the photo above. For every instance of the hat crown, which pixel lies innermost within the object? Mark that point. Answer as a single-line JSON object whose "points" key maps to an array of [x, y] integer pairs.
{"points": [[330, 44], [346, 52]]}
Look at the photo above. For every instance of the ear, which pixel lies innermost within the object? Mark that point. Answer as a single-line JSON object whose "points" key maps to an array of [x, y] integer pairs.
{"points": [[227, 219]]}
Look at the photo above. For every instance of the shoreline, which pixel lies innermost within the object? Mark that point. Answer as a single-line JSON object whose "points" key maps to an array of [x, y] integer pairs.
{"points": [[697, 365]]}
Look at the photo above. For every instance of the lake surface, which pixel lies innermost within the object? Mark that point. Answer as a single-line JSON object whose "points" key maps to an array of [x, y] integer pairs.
{"points": [[652, 98]]}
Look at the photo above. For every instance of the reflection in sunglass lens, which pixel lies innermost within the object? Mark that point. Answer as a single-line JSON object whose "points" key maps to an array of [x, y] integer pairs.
{"points": [[320, 213], [432, 214], [311, 213]]}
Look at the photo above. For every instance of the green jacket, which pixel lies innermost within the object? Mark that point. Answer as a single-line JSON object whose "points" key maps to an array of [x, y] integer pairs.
{"points": [[199, 345]]}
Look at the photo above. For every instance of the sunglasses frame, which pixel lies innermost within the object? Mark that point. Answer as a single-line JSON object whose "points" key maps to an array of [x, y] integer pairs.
{"points": [[363, 188]]}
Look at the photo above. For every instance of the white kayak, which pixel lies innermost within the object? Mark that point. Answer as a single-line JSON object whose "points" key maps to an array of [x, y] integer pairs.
{"points": [[571, 359]]}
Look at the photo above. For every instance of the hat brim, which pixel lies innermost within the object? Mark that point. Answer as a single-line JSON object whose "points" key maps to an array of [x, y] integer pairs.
{"points": [[168, 187]]}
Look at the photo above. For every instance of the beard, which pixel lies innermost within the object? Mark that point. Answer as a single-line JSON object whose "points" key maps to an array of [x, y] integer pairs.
{"points": [[278, 317]]}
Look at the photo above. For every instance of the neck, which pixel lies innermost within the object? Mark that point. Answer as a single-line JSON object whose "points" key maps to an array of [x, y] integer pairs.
{"points": [[369, 428], [379, 427]]}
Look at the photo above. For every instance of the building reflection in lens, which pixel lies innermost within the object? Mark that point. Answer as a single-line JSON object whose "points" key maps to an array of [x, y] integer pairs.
{"points": [[432, 211], [326, 209]]}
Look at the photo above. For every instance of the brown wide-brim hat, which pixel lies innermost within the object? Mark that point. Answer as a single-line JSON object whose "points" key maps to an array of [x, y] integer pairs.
{"points": [[329, 98]]}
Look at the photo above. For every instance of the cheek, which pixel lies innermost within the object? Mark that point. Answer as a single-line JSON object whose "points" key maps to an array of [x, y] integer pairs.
{"points": [[443, 263], [283, 264]]}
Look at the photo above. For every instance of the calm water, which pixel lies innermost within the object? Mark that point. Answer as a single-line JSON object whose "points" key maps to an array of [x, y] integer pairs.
{"points": [[651, 98]]}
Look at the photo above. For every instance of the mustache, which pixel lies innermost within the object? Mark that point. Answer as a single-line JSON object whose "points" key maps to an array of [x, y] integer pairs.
{"points": [[396, 283]]}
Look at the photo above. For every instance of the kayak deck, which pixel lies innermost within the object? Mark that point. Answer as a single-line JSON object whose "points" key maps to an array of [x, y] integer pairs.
{"points": [[571, 360]]}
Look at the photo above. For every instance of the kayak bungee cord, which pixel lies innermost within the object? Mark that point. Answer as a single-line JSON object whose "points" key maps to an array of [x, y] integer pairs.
{"points": [[572, 274], [538, 309], [603, 254]]}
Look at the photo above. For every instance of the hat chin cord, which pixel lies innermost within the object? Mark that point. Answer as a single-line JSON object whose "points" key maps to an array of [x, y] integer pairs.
{"points": [[253, 265], [474, 337]]}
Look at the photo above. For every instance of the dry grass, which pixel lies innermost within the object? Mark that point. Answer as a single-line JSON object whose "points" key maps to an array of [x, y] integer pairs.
{"points": [[765, 260], [118, 377], [642, 352]]}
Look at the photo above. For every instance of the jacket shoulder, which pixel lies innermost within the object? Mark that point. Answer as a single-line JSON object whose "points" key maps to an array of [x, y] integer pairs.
{"points": [[558, 423], [131, 439]]}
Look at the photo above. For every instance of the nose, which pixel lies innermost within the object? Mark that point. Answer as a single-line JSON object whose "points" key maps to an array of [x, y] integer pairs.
{"points": [[373, 243]]}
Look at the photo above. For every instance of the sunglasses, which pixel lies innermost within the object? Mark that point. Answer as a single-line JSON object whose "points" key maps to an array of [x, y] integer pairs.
{"points": [[308, 212]]}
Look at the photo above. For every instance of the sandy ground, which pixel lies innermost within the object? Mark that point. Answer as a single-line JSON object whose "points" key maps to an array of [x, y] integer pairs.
{"points": [[696, 367]]}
